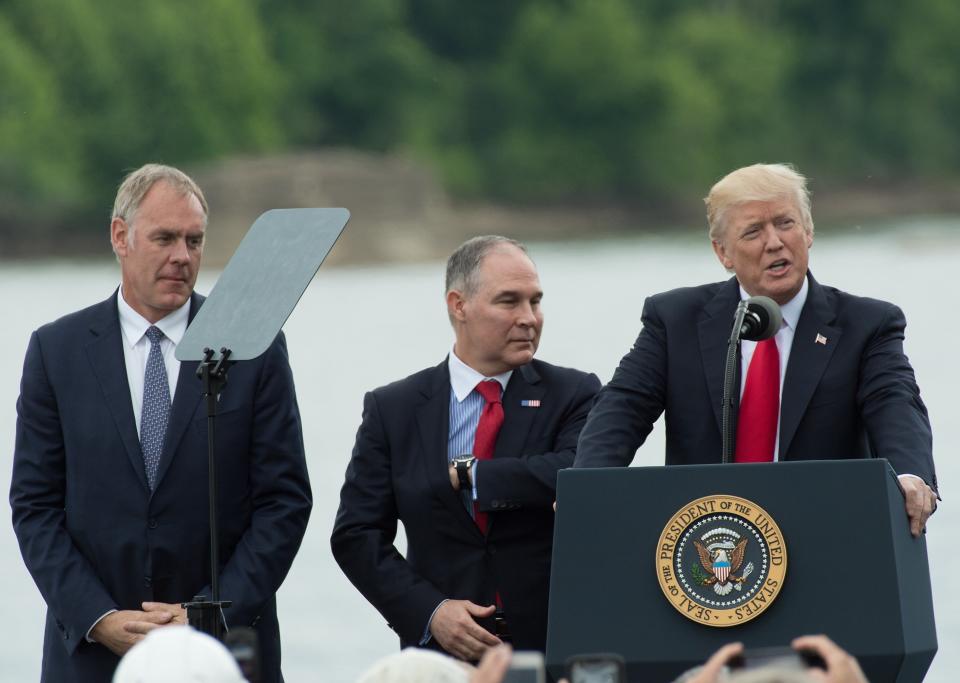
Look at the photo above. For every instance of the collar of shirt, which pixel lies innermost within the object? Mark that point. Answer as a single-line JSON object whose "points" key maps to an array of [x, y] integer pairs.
{"points": [[463, 378], [134, 326], [792, 309]]}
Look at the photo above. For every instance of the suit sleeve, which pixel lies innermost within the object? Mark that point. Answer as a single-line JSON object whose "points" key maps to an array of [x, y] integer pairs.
{"points": [[628, 406], [364, 533], [68, 582], [895, 417], [531, 480], [281, 496]]}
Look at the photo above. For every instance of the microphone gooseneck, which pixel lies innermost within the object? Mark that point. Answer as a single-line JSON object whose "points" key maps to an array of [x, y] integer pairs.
{"points": [[757, 318]]}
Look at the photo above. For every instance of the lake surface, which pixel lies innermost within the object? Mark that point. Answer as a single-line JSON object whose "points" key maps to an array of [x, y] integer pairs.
{"points": [[358, 328]]}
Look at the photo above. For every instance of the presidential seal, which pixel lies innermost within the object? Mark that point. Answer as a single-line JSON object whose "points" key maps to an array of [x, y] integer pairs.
{"points": [[721, 560]]}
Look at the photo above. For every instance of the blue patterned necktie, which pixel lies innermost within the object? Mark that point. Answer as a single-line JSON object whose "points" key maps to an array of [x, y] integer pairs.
{"points": [[156, 407]]}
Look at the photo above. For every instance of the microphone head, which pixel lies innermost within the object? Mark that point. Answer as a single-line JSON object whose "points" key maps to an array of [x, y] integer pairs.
{"points": [[762, 320]]}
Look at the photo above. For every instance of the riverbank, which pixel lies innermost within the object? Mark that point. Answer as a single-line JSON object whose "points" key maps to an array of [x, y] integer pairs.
{"points": [[401, 213]]}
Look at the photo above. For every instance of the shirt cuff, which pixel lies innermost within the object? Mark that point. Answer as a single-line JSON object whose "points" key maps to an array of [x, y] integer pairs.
{"points": [[473, 477], [94, 625], [427, 636]]}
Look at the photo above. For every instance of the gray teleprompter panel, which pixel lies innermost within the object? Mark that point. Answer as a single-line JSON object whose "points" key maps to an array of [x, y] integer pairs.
{"points": [[263, 282]]}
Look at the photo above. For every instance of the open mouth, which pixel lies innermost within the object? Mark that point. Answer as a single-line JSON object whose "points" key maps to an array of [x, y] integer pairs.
{"points": [[778, 266]]}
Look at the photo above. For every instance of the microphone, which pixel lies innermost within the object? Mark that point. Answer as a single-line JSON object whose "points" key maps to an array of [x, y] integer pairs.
{"points": [[761, 320], [757, 318]]}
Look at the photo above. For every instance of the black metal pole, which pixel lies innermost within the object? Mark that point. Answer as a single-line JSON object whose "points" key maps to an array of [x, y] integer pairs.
{"points": [[728, 419], [212, 488], [206, 615]]}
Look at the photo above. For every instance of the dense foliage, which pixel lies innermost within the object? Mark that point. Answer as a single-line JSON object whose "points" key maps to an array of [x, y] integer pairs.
{"points": [[519, 100]]}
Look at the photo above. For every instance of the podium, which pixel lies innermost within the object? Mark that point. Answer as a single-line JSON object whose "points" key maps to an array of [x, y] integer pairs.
{"points": [[851, 569]]}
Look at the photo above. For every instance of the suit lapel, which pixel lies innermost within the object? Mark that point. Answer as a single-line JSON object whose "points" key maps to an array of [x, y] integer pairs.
{"points": [[433, 423], [808, 360], [518, 420], [185, 401], [714, 332], [106, 355]]}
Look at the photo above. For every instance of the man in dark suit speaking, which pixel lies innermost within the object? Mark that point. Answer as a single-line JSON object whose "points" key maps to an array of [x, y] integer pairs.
{"points": [[466, 455], [832, 383], [109, 485]]}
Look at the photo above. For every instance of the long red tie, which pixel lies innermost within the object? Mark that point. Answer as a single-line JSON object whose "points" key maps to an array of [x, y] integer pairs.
{"points": [[491, 419], [760, 406]]}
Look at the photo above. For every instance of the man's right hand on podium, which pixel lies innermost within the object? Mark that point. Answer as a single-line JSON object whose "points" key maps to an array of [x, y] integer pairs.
{"points": [[920, 501], [456, 630]]}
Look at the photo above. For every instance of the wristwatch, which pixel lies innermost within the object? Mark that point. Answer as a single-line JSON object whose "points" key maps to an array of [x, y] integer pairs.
{"points": [[463, 465]]}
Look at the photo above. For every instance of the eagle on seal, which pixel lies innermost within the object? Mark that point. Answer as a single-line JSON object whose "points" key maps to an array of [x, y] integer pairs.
{"points": [[721, 562]]}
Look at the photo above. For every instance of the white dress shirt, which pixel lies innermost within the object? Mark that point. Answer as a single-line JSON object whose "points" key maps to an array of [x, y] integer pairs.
{"points": [[463, 378], [784, 338], [136, 348]]}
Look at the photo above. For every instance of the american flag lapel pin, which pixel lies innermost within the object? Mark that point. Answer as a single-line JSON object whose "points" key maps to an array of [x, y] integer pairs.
{"points": [[528, 403], [821, 339]]}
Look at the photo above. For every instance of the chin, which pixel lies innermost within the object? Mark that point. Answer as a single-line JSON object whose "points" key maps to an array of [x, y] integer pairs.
{"points": [[521, 359], [173, 302]]}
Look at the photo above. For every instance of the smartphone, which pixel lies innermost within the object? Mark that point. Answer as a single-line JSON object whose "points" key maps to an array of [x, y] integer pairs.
{"points": [[596, 668], [526, 667], [783, 657]]}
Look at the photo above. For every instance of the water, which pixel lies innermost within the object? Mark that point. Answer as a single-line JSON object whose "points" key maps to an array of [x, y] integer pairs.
{"points": [[358, 328]]}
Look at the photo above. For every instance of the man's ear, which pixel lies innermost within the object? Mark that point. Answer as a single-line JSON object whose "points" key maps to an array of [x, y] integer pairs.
{"points": [[119, 233], [722, 254], [455, 305]]}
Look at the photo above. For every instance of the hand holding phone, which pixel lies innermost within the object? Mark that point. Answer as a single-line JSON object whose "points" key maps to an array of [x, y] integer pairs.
{"points": [[788, 658], [839, 666], [526, 667]]}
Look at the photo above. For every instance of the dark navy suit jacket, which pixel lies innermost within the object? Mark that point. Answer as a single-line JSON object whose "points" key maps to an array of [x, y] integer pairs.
{"points": [[853, 396], [90, 531], [399, 472]]}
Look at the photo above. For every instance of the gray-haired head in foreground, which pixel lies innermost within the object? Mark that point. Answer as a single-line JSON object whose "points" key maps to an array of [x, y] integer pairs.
{"points": [[137, 183], [463, 266], [416, 666]]}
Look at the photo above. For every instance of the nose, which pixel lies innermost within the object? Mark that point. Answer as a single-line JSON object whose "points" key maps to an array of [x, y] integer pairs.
{"points": [[526, 317], [773, 241], [180, 253]]}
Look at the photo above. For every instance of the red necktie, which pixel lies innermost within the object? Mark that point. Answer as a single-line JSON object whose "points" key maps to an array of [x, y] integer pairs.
{"points": [[760, 405], [491, 419]]}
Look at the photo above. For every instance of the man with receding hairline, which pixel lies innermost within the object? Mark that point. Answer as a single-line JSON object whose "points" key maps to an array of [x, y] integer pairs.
{"points": [[109, 486], [466, 455], [833, 383]]}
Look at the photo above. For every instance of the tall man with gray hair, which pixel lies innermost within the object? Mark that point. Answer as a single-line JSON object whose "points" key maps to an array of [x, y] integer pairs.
{"points": [[832, 383], [109, 485], [465, 455]]}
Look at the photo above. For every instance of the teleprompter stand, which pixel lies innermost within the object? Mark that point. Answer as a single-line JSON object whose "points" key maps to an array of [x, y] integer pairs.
{"points": [[207, 615], [251, 301]]}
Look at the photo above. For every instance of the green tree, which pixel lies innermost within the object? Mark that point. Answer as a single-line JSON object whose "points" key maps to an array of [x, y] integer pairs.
{"points": [[175, 81], [39, 157], [354, 75]]}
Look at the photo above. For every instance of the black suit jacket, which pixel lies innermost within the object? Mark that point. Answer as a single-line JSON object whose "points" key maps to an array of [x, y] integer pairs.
{"points": [[854, 396], [398, 472], [91, 533]]}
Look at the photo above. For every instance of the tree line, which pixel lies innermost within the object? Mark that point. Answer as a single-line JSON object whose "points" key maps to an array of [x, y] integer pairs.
{"points": [[525, 101]]}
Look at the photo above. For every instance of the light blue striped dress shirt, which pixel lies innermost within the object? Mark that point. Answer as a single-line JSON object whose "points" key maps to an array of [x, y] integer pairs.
{"points": [[465, 408]]}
